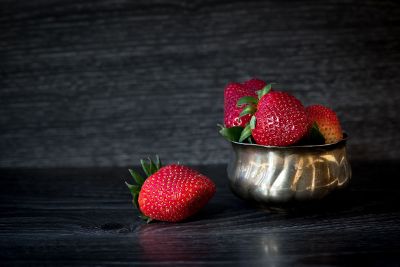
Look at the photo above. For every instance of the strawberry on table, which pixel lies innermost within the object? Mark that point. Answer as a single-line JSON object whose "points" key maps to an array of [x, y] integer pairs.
{"points": [[327, 122], [171, 193]]}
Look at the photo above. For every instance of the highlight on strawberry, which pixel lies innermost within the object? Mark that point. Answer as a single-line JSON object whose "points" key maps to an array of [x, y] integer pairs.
{"points": [[265, 116], [171, 193]]}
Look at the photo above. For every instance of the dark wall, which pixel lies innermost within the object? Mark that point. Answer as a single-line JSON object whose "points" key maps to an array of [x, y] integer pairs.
{"points": [[100, 83]]}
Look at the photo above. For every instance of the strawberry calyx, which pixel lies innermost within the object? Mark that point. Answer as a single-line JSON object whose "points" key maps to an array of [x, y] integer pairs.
{"points": [[230, 134], [149, 168], [249, 105]]}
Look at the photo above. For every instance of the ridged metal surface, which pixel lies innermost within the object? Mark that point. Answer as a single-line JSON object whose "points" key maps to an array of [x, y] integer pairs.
{"points": [[284, 174]]}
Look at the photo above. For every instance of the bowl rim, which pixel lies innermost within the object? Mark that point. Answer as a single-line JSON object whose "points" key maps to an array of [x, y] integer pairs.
{"points": [[343, 140]]}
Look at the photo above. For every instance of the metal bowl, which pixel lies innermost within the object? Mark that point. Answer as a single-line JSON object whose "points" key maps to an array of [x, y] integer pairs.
{"points": [[270, 174]]}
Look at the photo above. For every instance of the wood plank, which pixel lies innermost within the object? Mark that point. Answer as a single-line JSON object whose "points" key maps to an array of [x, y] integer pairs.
{"points": [[84, 217]]}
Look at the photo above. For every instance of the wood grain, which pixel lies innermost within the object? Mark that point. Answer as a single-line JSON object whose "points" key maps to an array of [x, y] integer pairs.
{"points": [[104, 83], [84, 217]]}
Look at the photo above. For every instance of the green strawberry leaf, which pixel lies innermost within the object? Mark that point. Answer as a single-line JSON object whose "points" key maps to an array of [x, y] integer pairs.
{"points": [[313, 137], [158, 162], [231, 134], [277, 86], [264, 91], [145, 218], [137, 177], [153, 167], [246, 133], [253, 122], [250, 109], [133, 188], [146, 167], [135, 200], [149, 167], [246, 100]]}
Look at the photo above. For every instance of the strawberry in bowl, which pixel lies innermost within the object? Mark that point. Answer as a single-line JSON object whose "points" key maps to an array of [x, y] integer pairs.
{"points": [[232, 93], [284, 152]]}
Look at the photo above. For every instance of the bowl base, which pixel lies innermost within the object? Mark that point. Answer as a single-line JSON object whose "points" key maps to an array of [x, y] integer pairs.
{"points": [[335, 201]]}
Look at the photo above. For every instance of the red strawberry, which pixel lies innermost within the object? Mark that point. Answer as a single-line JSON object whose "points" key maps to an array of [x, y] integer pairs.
{"points": [[327, 122], [254, 84], [281, 120], [171, 193], [233, 92]]}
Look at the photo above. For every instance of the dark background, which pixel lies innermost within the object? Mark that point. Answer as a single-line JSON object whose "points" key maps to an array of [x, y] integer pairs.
{"points": [[104, 83]]}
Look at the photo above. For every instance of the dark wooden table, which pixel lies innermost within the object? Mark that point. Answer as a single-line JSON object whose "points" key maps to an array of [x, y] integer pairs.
{"points": [[60, 217]]}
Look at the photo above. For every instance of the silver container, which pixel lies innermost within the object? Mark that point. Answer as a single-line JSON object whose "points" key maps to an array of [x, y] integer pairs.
{"points": [[270, 174]]}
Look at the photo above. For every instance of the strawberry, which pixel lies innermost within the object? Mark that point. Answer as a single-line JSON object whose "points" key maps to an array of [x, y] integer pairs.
{"points": [[171, 193], [254, 84], [327, 122], [279, 118], [233, 92]]}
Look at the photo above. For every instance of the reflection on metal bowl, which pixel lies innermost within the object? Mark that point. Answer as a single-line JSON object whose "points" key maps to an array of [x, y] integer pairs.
{"points": [[269, 174]]}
